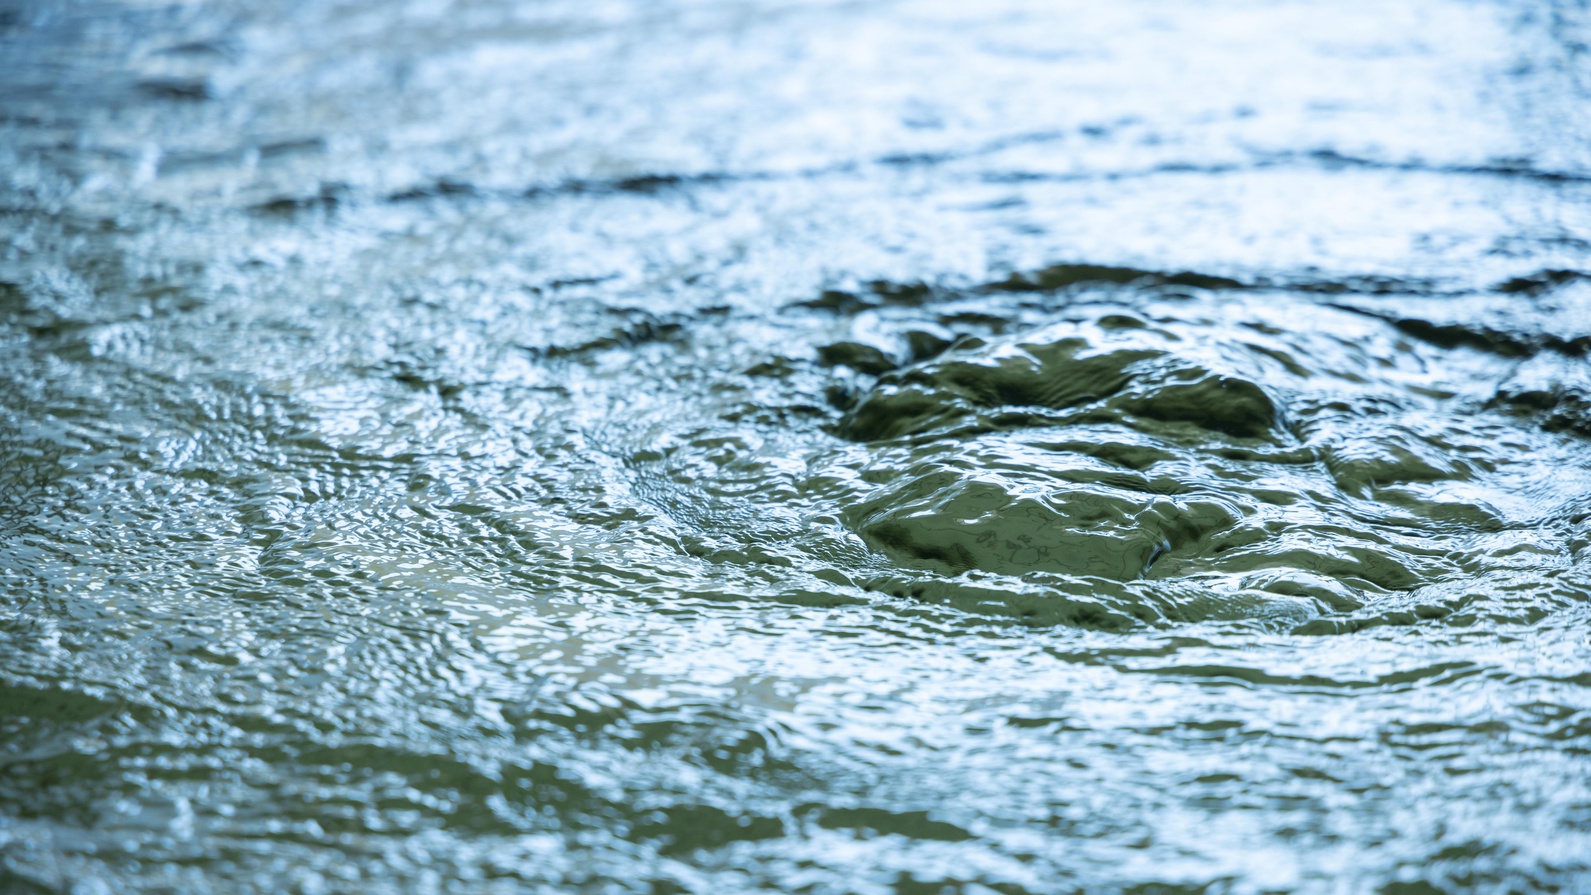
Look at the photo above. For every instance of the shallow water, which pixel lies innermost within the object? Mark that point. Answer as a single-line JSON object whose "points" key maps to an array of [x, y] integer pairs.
{"points": [[811, 447]]}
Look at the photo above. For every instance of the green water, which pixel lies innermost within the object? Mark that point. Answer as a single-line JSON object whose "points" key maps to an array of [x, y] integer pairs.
{"points": [[805, 447]]}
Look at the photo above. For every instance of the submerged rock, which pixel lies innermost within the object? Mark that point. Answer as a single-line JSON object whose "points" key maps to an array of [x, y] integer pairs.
{"points": [[1231, 449], [1040, 511], [1113, 368]]}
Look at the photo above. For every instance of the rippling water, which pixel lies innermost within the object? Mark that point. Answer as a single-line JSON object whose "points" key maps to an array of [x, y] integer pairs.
{"points": [[812, 447]]}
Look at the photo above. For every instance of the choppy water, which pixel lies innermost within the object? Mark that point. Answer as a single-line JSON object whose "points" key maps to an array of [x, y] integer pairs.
{"points": [[809, 447]]}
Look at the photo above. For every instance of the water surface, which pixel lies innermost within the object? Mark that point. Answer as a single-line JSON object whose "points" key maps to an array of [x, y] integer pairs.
{"points": [[804, 447]]}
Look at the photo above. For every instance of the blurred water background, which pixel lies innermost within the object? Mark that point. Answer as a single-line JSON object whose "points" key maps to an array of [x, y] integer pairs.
{"points": [[813, 447]]}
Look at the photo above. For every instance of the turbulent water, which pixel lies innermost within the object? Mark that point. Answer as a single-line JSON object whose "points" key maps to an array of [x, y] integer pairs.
{"points": [[808, 447]]}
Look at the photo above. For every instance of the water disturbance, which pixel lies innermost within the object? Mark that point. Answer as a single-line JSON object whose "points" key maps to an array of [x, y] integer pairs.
{"points": [[810, 447]]}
